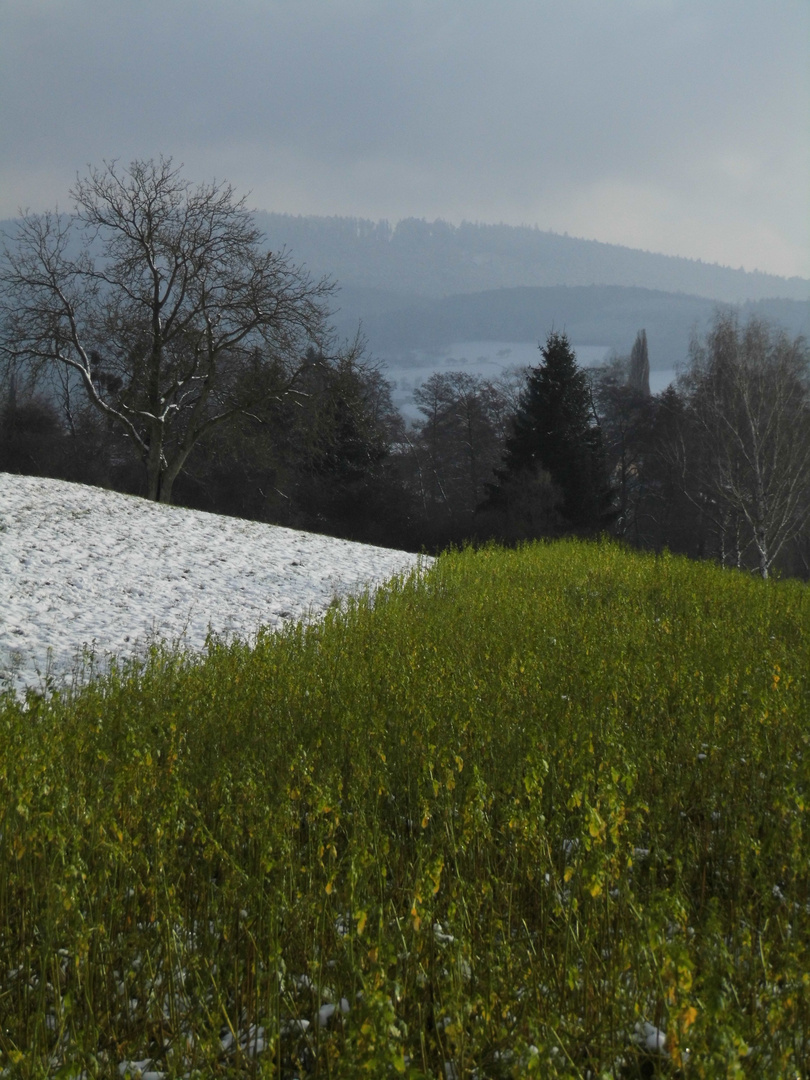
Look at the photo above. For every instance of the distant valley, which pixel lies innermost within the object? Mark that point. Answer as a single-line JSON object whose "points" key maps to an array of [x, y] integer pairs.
{"points": [[423, 288], [594, 317]]}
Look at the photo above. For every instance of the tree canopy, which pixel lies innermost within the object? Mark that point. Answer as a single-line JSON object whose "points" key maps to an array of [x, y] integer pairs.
{"points": [[159, 298]]}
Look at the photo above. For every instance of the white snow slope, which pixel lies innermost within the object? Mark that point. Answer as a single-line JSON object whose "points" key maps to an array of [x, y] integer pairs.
{"points": [[81, 567]]}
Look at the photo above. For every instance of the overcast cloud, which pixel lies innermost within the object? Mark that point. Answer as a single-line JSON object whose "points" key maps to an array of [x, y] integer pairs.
{"points": [[680, 126]]}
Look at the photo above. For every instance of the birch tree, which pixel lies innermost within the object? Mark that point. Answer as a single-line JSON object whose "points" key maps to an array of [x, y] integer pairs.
{"points": [[748, 391]]}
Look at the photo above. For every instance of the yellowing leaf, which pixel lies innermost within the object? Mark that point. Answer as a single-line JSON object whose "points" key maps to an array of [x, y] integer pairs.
{"points": [[687, 1018]]}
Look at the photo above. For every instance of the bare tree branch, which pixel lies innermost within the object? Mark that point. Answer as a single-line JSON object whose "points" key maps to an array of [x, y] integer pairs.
{"points": [[162, 298]]}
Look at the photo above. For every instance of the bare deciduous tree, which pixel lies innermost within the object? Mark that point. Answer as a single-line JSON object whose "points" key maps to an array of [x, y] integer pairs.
{"points": [[458, 442], [159, 298], [748, 392]]}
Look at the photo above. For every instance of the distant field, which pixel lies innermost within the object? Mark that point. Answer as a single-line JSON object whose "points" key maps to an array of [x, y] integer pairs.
{"points": [[485, 359], [534, 813]]}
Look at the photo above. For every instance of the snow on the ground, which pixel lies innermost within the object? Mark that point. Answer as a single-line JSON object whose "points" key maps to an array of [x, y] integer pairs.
{"points": [[84, 567]]}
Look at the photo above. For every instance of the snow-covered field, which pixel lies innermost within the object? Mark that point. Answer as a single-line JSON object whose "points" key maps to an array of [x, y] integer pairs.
{"points": [[81, 567]]}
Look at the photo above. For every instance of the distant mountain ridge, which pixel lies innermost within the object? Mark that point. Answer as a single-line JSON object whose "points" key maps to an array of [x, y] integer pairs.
{"points": [[419, 284], [420, 259], [434, 259]]}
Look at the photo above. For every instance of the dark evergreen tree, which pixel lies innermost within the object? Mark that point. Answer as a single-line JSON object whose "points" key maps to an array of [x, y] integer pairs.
{"points": [[555, 431], [319, 457]]}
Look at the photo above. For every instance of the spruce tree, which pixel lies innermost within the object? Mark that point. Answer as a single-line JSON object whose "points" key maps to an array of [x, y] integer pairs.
{"points": [[555, 431]]}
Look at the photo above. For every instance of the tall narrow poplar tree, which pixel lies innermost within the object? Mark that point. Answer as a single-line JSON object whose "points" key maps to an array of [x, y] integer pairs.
{"points": [[638, 377]]}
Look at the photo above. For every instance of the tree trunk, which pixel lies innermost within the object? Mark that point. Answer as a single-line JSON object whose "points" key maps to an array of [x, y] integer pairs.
{"points": [[154, 463], [171, 472]]}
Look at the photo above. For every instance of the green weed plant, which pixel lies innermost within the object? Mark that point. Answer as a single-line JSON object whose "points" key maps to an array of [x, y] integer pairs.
{"points": [[525, 814]]}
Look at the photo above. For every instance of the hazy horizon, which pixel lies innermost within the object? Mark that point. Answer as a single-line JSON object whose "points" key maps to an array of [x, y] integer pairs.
{"points": [[670, 126], [393, 224]]}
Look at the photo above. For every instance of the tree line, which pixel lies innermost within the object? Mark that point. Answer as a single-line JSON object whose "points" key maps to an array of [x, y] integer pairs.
{"points": [[151, 344]]}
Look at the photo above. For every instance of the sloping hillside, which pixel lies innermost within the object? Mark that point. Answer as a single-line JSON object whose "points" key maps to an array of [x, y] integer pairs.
{"points": [[433, 259], [84, 567]]}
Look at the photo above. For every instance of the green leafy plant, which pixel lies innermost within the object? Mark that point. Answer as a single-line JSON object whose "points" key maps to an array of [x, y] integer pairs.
{"points": [[535, 812]]}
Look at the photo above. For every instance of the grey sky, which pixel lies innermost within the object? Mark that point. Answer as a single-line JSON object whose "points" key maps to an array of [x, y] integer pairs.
{"points": [[680, 126]]}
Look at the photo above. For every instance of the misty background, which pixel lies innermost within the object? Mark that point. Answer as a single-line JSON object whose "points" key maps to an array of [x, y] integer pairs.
{"points": [[479, 298], [471, 174], [675, 126]]}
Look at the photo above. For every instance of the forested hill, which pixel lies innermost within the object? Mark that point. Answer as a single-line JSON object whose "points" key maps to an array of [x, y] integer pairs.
{"points": [[416, 259], [606, 315], [435, 259], [426, 285]]}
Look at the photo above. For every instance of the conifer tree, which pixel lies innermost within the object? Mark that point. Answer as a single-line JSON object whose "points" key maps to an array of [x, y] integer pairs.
{"points": [[555, 432]]}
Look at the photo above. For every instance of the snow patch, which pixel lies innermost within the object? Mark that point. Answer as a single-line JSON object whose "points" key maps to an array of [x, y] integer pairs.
{"points": [[86, 569]]}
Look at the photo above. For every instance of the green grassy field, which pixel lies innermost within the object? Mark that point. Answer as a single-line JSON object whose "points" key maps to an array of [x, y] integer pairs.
{"points": [[516, 817]]}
